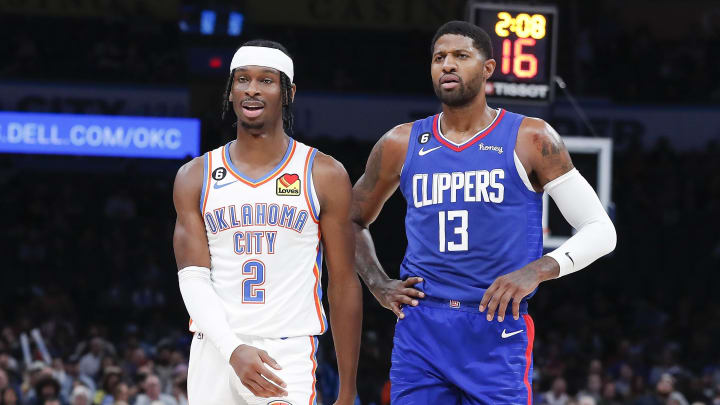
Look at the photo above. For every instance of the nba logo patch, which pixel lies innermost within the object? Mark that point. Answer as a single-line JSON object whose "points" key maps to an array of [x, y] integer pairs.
{"points": [[288, 184], [454, 304]]}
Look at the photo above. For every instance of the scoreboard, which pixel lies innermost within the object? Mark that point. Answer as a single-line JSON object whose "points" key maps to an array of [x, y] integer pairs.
{"points": [[524, 40]]}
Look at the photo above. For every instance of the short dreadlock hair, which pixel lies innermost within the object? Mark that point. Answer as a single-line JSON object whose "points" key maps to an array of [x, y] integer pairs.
{"points": [[285, 85]]}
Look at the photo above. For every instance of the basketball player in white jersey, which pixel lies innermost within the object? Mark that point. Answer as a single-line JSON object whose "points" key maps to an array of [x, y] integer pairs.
{"points": [[249, 250]]}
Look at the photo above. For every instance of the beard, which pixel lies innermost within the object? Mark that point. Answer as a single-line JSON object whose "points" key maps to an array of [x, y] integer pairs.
{"points": [[461, 95], [254, 125]]}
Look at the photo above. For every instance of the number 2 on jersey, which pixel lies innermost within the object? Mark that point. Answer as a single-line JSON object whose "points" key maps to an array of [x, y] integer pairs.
{"points": [[250, 293], [453, 246]]}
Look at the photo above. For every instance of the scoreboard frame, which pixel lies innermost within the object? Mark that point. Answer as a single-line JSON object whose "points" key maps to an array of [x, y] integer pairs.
{"points": [[474, 7]]}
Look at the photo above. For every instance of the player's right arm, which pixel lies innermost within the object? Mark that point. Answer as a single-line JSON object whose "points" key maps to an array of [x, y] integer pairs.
{"points": [[372, 190], [192, 255]]}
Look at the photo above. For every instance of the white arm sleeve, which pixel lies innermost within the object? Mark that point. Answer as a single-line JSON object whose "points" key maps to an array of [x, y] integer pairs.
{"points": [[206, 309], [581, 207]]}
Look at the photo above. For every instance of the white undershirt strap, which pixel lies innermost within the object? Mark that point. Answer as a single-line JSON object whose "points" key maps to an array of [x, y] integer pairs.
{"points": [[523, 174]]}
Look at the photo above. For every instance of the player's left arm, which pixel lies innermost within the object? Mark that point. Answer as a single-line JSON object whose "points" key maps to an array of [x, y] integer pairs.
{"points": [[344, 291], [549, 168]]}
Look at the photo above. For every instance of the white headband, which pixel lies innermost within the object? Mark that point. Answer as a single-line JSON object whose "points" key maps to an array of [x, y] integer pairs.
{"points": [[262, 56]]}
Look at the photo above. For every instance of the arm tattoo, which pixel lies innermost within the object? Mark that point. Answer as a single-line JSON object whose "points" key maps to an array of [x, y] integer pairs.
{"points": [[555, 158], [550, 148]]}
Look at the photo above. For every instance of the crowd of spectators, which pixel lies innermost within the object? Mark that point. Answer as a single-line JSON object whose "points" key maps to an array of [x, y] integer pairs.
{"points": [[89, 264], [113, 49], [603, 52]]}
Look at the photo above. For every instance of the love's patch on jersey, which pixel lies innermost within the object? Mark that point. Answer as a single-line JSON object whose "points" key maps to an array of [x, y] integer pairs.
{"points": [[288, 184]]}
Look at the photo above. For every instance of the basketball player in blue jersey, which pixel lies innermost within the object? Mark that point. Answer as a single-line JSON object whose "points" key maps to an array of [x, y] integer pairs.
{"points": [[249, 250], [473, 178]]}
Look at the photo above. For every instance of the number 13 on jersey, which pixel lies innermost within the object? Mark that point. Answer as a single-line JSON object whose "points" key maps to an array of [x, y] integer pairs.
{"points": [[458, 218]]}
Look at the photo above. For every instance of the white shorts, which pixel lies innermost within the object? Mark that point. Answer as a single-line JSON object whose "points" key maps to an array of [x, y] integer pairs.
{"points": [[212, 381]]}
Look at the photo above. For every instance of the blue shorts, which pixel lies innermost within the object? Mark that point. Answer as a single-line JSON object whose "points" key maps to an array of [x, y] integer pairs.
{"points": [[447, 353]]}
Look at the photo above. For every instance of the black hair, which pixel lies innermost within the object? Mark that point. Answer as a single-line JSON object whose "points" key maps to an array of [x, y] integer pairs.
{"points": [[285, 85], [480, 38]]}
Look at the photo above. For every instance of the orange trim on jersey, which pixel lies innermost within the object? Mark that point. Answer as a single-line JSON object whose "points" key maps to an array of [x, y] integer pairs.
{"points": [[318, 305], [312, 358], [207, 185], [268, 178], [190, 323], [307, 187]]}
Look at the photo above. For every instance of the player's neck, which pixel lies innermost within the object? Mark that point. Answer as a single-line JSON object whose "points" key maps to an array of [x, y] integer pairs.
{"points": [[258, 147], [468, 118]]}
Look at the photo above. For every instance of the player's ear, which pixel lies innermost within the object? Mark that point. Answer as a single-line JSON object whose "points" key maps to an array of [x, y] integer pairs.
{"points": [[489, 68], [292, 92]]}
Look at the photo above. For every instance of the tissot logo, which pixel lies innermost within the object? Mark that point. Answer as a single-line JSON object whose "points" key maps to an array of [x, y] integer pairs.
{"points": [[288, 184]]}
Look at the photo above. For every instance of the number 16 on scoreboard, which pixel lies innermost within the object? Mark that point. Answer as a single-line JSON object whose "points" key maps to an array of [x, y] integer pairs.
{"points": [[524, 39]]}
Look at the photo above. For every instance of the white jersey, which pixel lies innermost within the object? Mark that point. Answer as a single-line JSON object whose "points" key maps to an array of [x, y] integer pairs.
{"points": [[264, 240]]}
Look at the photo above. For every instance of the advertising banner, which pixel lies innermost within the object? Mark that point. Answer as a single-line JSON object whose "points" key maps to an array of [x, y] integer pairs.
{"points": [[99, 135]]}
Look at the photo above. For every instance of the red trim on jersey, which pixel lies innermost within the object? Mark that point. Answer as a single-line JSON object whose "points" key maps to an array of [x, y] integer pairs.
{"points": [[530, 326], [314, 363], [307, 186], [207, 185], [270, 177], [472, 140]]}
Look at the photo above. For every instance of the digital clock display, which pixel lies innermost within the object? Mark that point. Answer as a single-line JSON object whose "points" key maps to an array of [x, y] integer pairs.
{"points": [[523, 40]]}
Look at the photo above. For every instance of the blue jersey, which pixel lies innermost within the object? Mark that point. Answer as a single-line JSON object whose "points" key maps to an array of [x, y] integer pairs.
{"points": [[470, 218]]}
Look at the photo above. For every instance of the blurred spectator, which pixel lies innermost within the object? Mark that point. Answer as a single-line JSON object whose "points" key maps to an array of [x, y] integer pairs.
{"points": [[46, 389], [152, 395], [623, 384], [180, 390], [8, 396], [73, 378], [664, 391], [4, 382], [593, 388], [677, 398], [586, 400], [90, 362], [609, 395], [121, 393], [112, 376], [557, 394], [668, 365], [81, 396]]}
